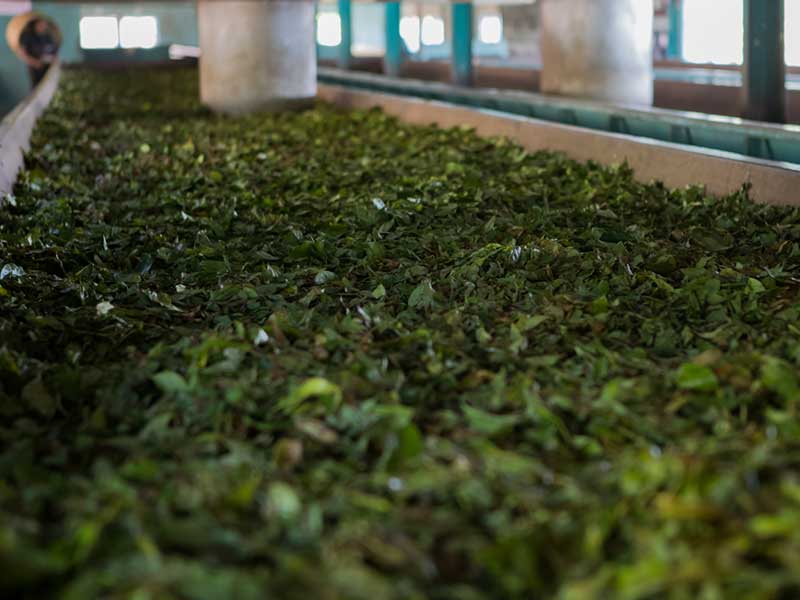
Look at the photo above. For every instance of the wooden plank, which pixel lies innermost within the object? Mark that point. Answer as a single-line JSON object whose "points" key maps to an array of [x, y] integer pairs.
{"points": [[675, 165]]}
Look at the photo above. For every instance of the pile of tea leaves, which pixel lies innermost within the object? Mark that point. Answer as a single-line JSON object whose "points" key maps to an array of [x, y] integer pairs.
{"points": [[327, 355]]}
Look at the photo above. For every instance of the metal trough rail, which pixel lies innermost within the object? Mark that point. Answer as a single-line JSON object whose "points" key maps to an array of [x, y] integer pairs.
{"points": [[677, 165], [729, 134], [17, 127]]}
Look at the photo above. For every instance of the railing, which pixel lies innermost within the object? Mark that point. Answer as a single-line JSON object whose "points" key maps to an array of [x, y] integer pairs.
{"points": [[17, 127]]}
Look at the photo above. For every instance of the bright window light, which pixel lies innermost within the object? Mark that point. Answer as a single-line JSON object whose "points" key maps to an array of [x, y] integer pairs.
{"points": [[329, 29], [792, 36], [99, 32], [410, 32], [138, 32], [713, 31], [432, 31], [490, 29]]}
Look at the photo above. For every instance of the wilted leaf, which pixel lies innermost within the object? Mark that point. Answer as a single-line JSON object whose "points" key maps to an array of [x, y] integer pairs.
{"points": [[422, 296]]}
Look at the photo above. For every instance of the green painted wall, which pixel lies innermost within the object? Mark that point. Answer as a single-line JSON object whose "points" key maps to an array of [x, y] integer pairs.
{"points": [[177, 24], [68, 19], [14, 82]]}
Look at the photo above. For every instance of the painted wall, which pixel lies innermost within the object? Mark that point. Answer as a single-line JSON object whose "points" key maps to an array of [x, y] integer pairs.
{"points": [[68, 19], [14, 81], [177, 23]]}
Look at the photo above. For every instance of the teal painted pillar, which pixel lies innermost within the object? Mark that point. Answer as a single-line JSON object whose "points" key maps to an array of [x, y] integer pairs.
{"points": [[675, 48], [345, 59], [462, 43], [764, 86], [393, 59]]}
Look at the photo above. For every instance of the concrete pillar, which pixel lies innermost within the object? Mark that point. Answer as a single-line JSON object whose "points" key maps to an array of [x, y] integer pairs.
{"points": [[257, 54], [599, 49]]}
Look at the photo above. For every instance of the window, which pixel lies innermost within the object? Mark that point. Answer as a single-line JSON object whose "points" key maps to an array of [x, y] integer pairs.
{"points": [[99, 32], [369, 38], [490, 29], [410, 32], [432, 31], [792, 35], [329, 29], [713, 31], [110, 32], [138, 32], [416, 32]]}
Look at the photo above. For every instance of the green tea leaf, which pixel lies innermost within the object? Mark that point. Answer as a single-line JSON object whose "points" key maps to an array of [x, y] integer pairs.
{"points": [[422, 296], [323, 393], [170, 382], [697, 378], [488, 423]]}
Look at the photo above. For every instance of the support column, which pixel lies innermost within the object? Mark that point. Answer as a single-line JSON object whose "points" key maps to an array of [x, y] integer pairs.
{"points": [[345, 60], [600, 49], [257, 54], [675, 48], [764, 86], [462, 43], [393, 59]]}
